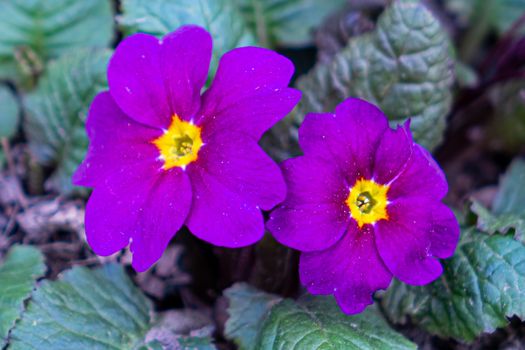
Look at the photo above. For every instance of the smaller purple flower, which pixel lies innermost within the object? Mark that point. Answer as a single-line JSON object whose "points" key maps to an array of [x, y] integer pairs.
{"points": [[162, 155], [363, 204]]}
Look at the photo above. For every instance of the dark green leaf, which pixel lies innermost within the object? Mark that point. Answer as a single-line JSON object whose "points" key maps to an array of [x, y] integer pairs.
{"points": [[404, 66], [33, 31], [481, 286], [56, 112], [159, 17], [247, 308], [9, 112], [286, 22], [317, 323], [86, 309], [22, 266]]}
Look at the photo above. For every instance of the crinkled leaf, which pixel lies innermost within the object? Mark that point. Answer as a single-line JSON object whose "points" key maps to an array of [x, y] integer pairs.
{"points": [[159, 17], [404, 66], [508, 209], [247, 308], [502, 223], [34, 31], [286, 22], [9, 112], [318, 323], [22, 266], [85, 309], [56, 112], [481, 286]]}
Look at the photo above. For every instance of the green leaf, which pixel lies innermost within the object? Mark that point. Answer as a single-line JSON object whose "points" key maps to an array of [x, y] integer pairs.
{"points": [[318, 323], [22, 266], [506, 13], [159, 17], [508, 209], [56, 112], [86, 309], [9, 112], [481, 286], [247, 308], [404, 67], [286, 22], [34, 31]]}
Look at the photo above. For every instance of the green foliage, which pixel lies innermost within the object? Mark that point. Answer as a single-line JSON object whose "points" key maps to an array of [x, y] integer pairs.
{"points": [[508, 209], [159, 17], [265, 321], [34, 31], [286, 22], [247, 308], [22, 266], [318, 323], [56, 112], [85, 309], [9, 112], [404, 66], [481, 286]]}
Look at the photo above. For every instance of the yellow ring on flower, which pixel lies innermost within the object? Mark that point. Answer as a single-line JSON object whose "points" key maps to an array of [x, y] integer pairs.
{"points": [[367, 202], [180, 144]]}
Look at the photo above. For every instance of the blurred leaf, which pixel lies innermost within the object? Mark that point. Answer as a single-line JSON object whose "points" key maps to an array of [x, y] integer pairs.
{"points": [[466, 76], [502, 14], [9, 112], [56, 112], [481, 286], [22, 266], [404, 66], [33, 31], [159, 17], [318, 323], [247, 308], [286, 22], [85, 309], [508, 209]]}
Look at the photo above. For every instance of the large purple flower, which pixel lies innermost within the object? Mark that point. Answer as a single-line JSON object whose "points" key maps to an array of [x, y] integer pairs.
{"points": [[363, 204], [162, 155]]}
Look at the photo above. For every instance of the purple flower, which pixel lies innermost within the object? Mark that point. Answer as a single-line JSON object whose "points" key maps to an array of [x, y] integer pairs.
{"points": [[363, 204], [162, 155]]}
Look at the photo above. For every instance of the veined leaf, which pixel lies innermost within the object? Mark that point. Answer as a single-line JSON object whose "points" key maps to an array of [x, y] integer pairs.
{"points": [[481, 286], [86, 309], [22, 266], [404, 66]]}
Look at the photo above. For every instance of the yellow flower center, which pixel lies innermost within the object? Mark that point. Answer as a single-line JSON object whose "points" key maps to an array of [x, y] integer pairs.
{"points": [[367, 201], [180, 144]]}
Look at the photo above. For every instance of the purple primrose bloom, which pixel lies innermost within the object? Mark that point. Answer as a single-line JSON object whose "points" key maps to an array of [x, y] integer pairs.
{"points": [[363, 204], [162, 155]]}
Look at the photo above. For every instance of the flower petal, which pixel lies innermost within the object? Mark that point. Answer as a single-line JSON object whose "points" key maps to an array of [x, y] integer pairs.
{"points": [[239, 164], [221, 216], [348, 137], [393, 154], [416, 231], [422, 177], [152, 80], [117, 142], [144, 206], [249, 93], [351, 269], [314, 215]]}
